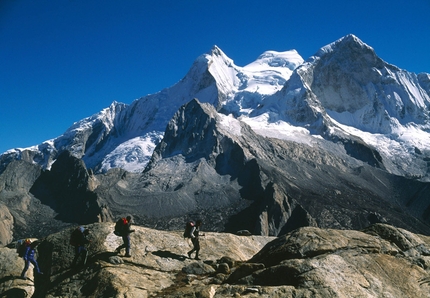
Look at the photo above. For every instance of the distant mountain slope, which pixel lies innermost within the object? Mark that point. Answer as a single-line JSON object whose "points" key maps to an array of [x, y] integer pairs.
{"points": [[217, 167]]}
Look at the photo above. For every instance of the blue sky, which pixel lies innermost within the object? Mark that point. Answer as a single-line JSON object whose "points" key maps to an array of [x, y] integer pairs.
{"points": [[64, 60]]}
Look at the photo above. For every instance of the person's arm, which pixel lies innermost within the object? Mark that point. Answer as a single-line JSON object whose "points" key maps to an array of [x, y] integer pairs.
{"points": [[193, 229], [129, 230]]}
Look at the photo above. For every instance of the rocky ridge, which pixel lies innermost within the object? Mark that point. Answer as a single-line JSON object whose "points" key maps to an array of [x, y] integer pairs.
{"points": [[224, 173], [379, 261]]}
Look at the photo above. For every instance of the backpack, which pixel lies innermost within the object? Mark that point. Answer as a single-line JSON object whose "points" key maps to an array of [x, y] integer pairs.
{"points": [[188, 226], [20, 247], [75, 237], [120, 226]]}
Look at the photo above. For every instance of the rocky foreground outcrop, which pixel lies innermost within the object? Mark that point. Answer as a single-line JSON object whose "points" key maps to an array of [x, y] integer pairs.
{"points": [[379, 261]]}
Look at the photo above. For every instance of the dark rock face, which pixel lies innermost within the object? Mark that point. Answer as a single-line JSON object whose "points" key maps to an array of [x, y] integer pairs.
{"points": [[34, 203], [19, 176], [66, 189], [22, 214]]}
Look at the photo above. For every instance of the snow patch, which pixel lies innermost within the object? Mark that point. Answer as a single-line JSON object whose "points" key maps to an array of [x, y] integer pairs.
{"points": [[132, 155], [279, 129], [230, 124]]}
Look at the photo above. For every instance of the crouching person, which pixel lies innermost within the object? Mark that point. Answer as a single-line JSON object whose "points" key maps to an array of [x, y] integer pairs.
{"points": [[79, 239]]}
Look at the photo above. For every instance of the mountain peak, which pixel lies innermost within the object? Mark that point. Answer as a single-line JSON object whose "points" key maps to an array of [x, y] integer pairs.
{"points": [[349, 43], [273, 59], [216, 51], [351, 38]]}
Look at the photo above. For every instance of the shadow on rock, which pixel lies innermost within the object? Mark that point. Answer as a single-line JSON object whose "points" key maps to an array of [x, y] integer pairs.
{"points": [[14, 293], [7, 278], [103, 256], [168, 254]]}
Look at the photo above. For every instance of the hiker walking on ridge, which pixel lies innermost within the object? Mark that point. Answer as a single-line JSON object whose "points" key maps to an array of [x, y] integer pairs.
{"points": [[123, 229], [29, 256], [79, 239], [192, 231]]}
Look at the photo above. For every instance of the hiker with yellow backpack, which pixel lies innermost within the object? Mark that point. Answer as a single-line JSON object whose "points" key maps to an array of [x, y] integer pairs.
{"points": [[29, 255]]}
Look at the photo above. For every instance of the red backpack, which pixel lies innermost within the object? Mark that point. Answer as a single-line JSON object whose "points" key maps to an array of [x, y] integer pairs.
{"points": [[120, 226]]}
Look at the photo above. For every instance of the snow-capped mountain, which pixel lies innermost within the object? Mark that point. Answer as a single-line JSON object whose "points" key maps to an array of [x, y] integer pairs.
{"points": [[124, 136], [343, 92], [337, 141]]}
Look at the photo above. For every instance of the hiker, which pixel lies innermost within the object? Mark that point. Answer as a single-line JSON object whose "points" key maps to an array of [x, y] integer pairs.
{"points": [[79, 239], [194, 235], [29, 256], [123, 229]]}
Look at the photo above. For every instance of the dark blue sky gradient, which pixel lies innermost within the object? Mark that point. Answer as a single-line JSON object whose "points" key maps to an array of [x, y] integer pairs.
{"points": [[64, 60]]}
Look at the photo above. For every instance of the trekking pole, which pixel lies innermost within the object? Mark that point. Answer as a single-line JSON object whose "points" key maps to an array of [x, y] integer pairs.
{"points": [[85, 257]]}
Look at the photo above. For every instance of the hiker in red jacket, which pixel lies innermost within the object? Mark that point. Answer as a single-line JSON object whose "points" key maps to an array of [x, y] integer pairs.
{"points": [[125, 234]]}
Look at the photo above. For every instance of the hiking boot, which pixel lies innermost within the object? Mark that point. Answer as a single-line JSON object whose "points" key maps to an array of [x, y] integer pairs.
{"points": [[127, 255], [189, 254], [197, 258]]}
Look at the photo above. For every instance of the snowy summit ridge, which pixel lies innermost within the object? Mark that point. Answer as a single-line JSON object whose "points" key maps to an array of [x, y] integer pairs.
{"points": [[345, 91]]}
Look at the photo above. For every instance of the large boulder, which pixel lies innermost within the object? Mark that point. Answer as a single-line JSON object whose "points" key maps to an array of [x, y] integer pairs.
{"points": [[379, 261], [11, 285], [159, 260]]}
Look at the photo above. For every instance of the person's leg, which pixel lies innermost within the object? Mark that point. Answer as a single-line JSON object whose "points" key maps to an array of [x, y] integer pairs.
{"points": [[197, 248], [195, 244], [36, 266], [26, 265], [124, 240], [75, 259], [127, 245]]}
